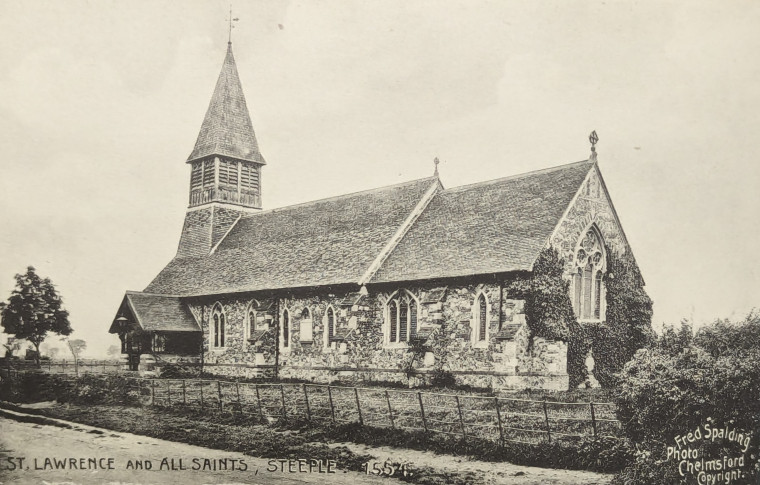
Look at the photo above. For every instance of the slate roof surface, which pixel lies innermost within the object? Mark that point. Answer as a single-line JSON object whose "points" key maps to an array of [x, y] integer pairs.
{"points": [[329, 241], [161, 313], [489, 227], [226, 129]]}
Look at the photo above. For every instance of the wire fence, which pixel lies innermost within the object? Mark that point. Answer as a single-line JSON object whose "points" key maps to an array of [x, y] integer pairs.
{"points": [[486, 417], [465, 415]]}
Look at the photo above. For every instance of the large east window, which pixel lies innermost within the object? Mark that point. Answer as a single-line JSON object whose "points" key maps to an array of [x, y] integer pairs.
{"points": [[588, 284]]}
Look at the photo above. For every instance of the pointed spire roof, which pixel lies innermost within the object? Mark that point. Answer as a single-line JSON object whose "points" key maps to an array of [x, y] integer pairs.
{"points": [[227, 128]]}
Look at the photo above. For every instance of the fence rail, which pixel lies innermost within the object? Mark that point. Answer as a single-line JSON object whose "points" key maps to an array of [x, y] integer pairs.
{"points": [[494, 418]]}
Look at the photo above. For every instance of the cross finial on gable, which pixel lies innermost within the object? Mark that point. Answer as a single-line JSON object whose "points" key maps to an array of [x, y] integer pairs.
{"points": [[593, 138], [436, 162]]}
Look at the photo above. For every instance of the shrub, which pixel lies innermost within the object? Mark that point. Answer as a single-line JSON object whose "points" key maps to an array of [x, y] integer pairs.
{"points": [[664, 394]]}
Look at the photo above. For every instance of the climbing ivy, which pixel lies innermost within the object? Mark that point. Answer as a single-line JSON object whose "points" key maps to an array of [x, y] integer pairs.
{"points": [[628, 325], [548, 310]]}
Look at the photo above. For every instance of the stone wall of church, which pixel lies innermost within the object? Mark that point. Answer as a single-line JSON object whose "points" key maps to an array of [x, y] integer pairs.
{"points": [[362, 352]]}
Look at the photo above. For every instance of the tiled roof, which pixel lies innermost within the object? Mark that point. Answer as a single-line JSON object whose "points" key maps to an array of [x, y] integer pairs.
{"points": [[160, 313], [329, 241], [227, 128], [489, 227]]}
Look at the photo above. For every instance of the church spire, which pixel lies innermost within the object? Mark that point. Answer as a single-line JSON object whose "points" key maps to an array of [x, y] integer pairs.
{"points": [[227, 130]]}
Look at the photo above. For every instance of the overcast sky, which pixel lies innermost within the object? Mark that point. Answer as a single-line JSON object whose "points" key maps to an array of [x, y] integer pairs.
{"points": [[101, 103]]}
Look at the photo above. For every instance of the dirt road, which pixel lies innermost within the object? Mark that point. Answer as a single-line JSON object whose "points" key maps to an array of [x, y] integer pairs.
{"points": [[30, 454]]}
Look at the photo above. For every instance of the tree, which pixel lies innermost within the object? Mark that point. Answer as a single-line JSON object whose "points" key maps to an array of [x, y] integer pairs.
{"points": [[114, 350], [77, 346], [34, 309]]}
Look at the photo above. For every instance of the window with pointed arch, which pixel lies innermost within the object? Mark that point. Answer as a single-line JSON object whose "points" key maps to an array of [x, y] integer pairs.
{"points": [[285, 331], [329, 325], [588, 285], [401, 317], [481, 314], [306, 330], [218, 324]]}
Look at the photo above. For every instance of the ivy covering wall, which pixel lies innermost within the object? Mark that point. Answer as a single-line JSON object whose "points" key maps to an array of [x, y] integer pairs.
{"points": [[548, 310], [549, 314]]}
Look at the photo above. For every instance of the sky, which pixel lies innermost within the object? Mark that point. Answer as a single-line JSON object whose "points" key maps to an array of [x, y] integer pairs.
{"points": [[102, 101]]}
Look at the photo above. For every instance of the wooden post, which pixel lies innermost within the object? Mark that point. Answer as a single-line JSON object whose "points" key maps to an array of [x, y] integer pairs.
{"points": [[168, 391], [461, 420], [258, 399], [219, 391], [184, 397], [306, 398], [201, 385], [498, 417], [332, 407], [152, 392], [422, 411], [358, 406], [548, 429], [390, 410], [104, 367], [282, 395], [237, 393], [63, 366], [593, 417]]}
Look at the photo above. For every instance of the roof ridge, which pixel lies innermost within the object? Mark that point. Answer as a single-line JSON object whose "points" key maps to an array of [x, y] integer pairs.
{"points": [[338, 197], [135, 292], [517, 176]]}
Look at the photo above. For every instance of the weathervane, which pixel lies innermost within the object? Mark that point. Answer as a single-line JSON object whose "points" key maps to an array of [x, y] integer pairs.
{"points": [[230, 19], [593, 138]]}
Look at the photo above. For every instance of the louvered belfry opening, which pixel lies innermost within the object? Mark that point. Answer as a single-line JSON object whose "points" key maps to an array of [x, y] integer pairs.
{"points": [[222, 179]]}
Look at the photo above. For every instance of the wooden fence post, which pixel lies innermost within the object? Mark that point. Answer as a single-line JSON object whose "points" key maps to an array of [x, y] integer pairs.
{"points": [[548, 429], [461, 420], [201, 387], [104, 367], [422, 411], [593, 417], [184, 392], [168, 391], [306, 398], [219, 391], [258, 399], [237, 393], [282, 395], [358, 406], [332, 407], [498, 418], [390, 410], [152, 392]]}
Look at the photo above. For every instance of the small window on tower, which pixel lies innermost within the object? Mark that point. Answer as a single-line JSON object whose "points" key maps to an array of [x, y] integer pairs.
{"points": [[228, 172], [249, 178]]}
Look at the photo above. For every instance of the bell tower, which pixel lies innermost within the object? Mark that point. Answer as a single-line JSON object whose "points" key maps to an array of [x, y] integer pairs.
{"points": [[225, 176]]}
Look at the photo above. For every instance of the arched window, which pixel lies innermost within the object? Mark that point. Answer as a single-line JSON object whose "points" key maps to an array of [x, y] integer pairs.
{"points": [[588, 284], [481, 319], [330, 325], [305, 329], [285, 333], [218, 322], [401, 317]]}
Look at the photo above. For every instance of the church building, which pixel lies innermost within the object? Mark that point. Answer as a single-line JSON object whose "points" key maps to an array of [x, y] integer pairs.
{"points": [[390, 284]]}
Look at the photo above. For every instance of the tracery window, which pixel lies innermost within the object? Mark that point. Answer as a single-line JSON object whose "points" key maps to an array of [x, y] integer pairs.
{"points": [[588, 287], [218, 323], [402, 314]]}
